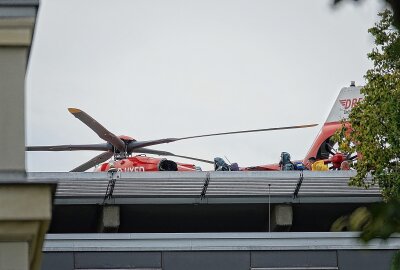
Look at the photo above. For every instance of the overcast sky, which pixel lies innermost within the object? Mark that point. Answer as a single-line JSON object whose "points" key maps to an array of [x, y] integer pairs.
{"points": [[153, 69]]}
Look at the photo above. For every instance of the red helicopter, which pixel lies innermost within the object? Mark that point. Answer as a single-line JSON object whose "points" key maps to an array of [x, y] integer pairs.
{"points": [[323, 147], [121, 149]]}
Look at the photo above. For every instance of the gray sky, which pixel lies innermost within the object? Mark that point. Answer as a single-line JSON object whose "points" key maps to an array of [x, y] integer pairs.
{"points": [[153, 69]]}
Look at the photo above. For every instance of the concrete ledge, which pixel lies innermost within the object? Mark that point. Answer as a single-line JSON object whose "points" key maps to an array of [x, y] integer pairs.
{"points": [[25, 202], [16, 31], [15, 37], [212, 241], [25, 217], [8, 260]]}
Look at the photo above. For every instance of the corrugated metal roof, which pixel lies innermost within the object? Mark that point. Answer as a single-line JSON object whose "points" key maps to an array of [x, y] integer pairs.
{"points": [[165, 187]]}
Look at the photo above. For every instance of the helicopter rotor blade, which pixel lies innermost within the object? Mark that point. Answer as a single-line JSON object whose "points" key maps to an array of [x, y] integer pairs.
{"points": [[93, 162], [139, 144], [101, 131], [165, 153], [192, 158], [94, 147], [248, 131]]}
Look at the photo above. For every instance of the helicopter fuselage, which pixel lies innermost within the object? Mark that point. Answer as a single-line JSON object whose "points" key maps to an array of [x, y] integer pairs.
{"points": [[142, 163]]}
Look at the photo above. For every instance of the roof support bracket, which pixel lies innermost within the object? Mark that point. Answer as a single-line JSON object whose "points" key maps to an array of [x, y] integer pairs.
{"points": [[114, 175], [205, 186], [299, 182]]}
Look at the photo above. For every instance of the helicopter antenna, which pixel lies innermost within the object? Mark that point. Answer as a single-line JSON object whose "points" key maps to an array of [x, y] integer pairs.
{"points": [[230, 163]]}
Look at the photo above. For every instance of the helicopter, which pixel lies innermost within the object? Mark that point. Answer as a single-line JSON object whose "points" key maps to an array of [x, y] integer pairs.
{"points": [[122, 148]]}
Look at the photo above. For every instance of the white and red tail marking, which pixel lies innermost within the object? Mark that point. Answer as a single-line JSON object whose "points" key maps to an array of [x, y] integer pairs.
{"points": [[346, 100]]}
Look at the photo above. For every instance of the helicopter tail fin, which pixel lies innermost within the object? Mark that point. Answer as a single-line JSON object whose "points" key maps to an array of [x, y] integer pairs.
{"points": [[346, 100]]}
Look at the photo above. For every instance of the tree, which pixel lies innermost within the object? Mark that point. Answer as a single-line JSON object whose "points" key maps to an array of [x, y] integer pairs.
{"points": [[375, 122], [394, 4], [375, 136]]}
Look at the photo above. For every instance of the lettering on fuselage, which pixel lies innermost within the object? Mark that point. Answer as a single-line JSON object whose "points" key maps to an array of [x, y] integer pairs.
{"points": [[132, 169], [348, 104]]}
